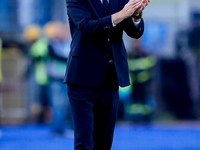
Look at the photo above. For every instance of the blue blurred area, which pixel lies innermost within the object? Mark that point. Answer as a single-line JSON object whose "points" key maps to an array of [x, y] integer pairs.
{"points": [[4, 14], [127, 137], [17, 14], [158, 41]]}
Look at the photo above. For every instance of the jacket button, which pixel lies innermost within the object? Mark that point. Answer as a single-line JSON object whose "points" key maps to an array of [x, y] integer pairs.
{"points": [[108, 39]]}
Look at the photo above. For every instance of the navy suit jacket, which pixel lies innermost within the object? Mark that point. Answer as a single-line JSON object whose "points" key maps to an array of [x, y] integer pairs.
{"points": [[92, 31]]}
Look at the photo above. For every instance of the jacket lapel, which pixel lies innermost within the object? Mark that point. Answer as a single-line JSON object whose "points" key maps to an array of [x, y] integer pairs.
{"points": [[100, 9]]}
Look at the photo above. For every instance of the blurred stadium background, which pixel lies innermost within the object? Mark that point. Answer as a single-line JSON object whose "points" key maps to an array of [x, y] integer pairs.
{"points": [[164, 63]]}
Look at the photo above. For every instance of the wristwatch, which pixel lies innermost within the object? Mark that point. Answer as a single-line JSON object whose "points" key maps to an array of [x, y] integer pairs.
{"points": [[138, 17]]}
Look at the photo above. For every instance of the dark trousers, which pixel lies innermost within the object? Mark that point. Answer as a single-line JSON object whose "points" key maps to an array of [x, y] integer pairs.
{"points": [[94, 112]]}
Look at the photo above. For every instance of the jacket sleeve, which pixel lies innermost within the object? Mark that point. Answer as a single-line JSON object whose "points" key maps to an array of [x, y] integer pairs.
{"points": [[131, 30], [80, 15]]}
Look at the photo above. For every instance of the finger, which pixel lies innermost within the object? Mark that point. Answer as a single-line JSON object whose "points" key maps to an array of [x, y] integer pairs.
{"points": [[145, 2], [134, 1], [137, 9], [148, 1], [132, 5]]}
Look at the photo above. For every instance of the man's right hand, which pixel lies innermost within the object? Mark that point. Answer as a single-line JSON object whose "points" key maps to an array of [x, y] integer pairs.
{"points": [[132, 7], [141, 8]]}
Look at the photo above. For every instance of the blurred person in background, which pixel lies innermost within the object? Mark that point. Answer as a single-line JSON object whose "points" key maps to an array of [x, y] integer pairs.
{"points": [[58, 48], [194, 45], [140, 65], [194, 35], [38, 96], [1, 76], [97, 65]]}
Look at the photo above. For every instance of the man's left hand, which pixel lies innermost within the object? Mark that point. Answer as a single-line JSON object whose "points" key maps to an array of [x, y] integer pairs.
{"points": [[139, 10]]}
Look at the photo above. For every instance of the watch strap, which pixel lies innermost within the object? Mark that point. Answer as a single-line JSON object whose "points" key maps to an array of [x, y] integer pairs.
{"points": [[138, 17]]}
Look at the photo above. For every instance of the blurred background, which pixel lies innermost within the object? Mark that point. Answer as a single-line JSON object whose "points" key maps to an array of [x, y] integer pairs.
{"points": [[164, 64]]}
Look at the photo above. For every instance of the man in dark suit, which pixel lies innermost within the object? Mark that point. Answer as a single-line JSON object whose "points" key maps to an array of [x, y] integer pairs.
{"points": [[97, 65]]}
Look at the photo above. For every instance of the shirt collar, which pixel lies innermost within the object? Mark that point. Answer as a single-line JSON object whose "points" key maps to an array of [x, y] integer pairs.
{"points": [[102, 1]]}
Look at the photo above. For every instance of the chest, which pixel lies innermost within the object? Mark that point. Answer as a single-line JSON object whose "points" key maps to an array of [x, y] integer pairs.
{"points": [[97, 9]]}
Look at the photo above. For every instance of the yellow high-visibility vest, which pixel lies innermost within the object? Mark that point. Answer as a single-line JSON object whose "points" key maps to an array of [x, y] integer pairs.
{"points": [[40, 50]]}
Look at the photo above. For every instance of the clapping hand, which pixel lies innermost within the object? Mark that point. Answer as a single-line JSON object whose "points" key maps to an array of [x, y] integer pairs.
{"points": [[144, 3], [133, 7]]}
